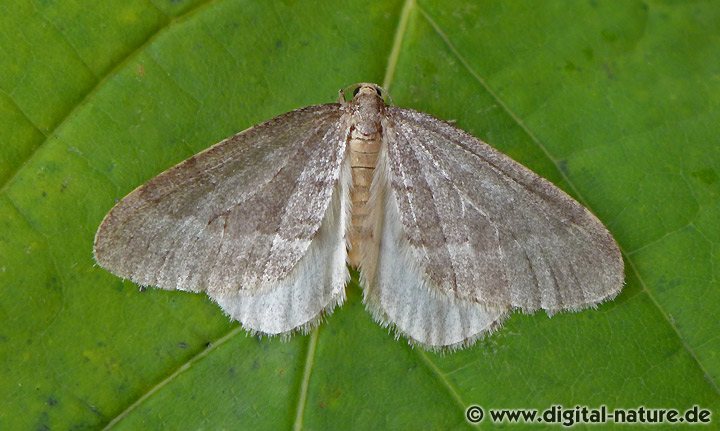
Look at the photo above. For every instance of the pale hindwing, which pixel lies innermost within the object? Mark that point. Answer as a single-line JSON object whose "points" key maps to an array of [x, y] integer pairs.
{"points": [[238, 216], [314, 287], [485, 228], [397, 292]]}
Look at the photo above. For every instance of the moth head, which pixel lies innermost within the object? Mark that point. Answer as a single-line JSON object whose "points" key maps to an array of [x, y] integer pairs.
{"points": [[362, 90]]}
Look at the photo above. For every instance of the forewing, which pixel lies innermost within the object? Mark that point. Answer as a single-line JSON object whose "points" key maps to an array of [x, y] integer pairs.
{"points": [[485, 228], [239, 215]]}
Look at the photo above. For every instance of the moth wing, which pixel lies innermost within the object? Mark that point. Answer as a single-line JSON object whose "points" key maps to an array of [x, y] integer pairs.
{"points": [[314, 287], [484, 228], [396, 291], [238, 216]]}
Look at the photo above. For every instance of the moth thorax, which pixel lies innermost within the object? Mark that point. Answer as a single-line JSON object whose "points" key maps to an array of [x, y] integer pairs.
{"points": [[364, 152]]}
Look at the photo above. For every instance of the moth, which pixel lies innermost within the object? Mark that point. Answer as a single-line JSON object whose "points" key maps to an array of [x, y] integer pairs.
{"points": [[448, 234]]}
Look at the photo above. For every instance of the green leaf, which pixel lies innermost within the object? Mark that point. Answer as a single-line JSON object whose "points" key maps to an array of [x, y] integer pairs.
{"points": [[616, 102]]}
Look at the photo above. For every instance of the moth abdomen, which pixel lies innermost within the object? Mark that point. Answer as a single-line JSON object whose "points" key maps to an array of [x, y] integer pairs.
{"points": [[363, 153]]}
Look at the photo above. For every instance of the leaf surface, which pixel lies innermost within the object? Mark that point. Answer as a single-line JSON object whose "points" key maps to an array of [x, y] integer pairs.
{"points": [[617, 103]]}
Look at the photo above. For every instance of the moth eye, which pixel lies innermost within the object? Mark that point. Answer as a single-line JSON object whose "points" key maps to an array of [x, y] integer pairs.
{"points": [[378, 91], [356, 91]]}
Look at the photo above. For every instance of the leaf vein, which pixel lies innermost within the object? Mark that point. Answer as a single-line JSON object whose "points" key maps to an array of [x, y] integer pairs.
{"points": [[305, 382], [181, 369], [85, 98], [442, 378], [451, 47]]}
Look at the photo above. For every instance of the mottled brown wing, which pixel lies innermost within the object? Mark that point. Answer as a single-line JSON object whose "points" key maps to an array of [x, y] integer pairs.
{"points": [[238, 215], [485, 228]]}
